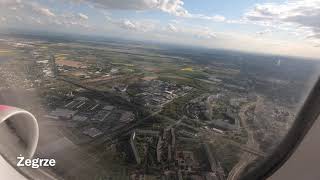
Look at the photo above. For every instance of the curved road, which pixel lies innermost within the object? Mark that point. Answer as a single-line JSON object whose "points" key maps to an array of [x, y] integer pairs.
{"points": [[246, 158]]}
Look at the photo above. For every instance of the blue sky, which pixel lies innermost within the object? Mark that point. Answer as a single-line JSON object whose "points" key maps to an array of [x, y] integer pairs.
{"points": [[229, 8], [288, 27]]}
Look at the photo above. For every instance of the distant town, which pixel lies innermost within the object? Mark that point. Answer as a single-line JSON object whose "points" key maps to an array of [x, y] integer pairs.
{"points": [[126, 110]]}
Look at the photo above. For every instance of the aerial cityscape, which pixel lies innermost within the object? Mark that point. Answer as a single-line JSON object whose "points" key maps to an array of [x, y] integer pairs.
{"points": [[156, 90], [129, 110]]}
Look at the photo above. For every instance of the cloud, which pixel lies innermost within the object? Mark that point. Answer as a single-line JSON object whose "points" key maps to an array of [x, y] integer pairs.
{"points": [[36, 20], [19, 13], [129, 25], [216, 18], [205, 33], [172, 28], [3, 19], [316, 36], [25, 8], [133, 25], [70, 19], [108, 18], [174, 7], [44, 11], [264, 32], [18, 18], [294, 15], [83, 16], [198, 32], [10, 3], [151, 27]]}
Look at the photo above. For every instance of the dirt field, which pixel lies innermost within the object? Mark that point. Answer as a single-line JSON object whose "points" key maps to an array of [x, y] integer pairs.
{"points": [[70, 63]]}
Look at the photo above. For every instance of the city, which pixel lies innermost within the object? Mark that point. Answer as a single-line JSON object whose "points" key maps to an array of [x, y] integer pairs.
{"points": [[110, 111]]}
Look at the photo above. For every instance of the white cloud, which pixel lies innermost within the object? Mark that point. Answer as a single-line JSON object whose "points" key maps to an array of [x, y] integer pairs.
{"points": [[18, 18], [20, 13], [205, 33], [174, 7], [36, 20], [198, 32], [83, 16], [216, 18], [315, 42], [70, 19], [153, 28], [44, 11], [264, 32], [108, 18], [133, 25], [13, 8], [129, 25], [300, 16], [172, 28], [10, 3]]}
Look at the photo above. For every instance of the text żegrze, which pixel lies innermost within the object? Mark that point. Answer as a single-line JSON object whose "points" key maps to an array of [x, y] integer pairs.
{"points": [[35, 163]]}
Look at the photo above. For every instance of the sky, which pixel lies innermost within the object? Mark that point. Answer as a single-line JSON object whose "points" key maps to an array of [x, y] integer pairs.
{"points": [[284, 27]]}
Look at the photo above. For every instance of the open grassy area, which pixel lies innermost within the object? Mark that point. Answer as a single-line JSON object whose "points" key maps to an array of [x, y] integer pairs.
{"points": [[175, 109], [187, 69], [6, 52], [226, 153]]}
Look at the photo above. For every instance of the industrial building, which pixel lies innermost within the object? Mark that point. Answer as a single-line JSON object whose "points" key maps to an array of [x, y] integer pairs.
{"points": [[92, 132], [63, 113]]}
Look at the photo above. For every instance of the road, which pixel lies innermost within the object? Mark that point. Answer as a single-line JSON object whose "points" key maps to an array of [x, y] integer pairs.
{"points": [[246, 158]]}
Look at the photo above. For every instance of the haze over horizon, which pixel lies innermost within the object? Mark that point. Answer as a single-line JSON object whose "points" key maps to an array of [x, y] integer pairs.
{"points": [[263, 26]]}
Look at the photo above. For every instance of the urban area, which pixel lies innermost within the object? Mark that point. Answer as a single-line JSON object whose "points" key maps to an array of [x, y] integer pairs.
{"points": [[121, 110]]}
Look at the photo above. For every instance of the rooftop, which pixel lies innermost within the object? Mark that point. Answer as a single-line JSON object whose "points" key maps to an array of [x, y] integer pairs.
{"points": [[92, 132], [64, 113], [108, 108]]}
